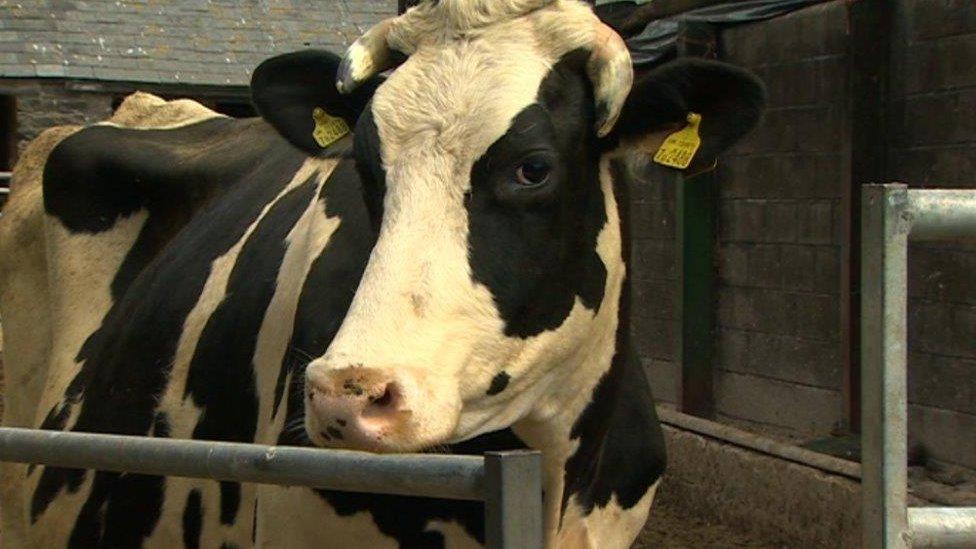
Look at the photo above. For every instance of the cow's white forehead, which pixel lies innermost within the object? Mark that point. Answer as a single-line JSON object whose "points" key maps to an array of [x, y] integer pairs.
{"points": [[435, 17], [469, 14], [462, 85], [455, 100]]}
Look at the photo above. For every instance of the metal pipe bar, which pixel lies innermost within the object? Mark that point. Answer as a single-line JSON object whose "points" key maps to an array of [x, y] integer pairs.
{"points": [[755, 443], [884, 423], [948, 527], [939, 214], [423, 475], [513, 500]]}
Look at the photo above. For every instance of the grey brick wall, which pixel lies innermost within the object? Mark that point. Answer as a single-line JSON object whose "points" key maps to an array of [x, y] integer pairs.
{"points": [[653, 274], [934, 145], [780, 230], [41, 104], [189, 41], [779, 235]]}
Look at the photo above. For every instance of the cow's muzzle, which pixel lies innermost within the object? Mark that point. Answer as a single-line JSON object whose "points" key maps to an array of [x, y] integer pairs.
{"points": [[355, 407]]}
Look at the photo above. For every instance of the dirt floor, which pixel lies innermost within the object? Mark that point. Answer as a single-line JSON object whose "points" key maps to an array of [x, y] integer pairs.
{"points": [[671, 529]]}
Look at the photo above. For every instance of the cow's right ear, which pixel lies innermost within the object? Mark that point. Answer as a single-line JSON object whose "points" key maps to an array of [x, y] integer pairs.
{"points": [[296, 94]]}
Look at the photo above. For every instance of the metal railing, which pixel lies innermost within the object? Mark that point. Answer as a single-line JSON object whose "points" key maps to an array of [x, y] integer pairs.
{"points": [[4, 187], [891, 216], [508, 482]]}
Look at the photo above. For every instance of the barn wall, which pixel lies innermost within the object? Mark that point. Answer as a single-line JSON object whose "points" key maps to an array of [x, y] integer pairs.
{"points": [[933, 119], [42, 104], [779, 236], [51, 50], [779, 354], [653, 273]]}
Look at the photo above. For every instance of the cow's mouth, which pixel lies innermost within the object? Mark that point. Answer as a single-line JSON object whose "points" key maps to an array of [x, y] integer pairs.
{"points": [[376, 410]]}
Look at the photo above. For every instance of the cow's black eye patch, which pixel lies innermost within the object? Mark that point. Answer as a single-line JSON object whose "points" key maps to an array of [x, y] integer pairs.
{"points": [[532, 243], [524, 165]]}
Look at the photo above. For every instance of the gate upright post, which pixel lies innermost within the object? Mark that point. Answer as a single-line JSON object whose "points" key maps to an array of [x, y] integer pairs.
{"points": [[884, 399], [513, 499]]}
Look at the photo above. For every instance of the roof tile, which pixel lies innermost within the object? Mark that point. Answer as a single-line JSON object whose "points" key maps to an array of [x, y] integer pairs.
{"points": [[218, 42]]}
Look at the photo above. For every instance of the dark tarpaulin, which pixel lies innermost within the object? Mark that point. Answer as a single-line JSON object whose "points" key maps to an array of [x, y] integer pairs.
{"points": [[658, 41]]}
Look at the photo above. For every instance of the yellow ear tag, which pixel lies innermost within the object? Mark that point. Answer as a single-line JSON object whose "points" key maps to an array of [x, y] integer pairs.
{"points": [[328, 128], [680, 147]]}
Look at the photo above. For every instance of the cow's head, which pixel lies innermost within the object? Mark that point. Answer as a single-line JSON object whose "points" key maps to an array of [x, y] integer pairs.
{"points": [[485, 160]]}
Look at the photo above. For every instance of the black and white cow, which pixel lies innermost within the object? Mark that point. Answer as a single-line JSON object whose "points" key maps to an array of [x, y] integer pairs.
{"points": [[447, 276]]}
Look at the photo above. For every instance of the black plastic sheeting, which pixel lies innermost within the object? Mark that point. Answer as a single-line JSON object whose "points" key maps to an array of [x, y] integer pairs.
{"points": [[658, 41]]}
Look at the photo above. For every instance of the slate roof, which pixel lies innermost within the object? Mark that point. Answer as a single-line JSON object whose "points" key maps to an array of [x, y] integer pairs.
{"points": [[214, 42]]}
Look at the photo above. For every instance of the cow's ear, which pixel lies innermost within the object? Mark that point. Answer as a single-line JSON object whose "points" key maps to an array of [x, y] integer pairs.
{"points": [[727, 99], [296, 93]]}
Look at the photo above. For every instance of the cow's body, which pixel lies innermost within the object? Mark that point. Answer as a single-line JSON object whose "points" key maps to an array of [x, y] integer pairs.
{"points": [[193, 271]]}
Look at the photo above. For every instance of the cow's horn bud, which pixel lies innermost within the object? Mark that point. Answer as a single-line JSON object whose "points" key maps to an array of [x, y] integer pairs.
{"points": [[366, 57], [612, 73]]}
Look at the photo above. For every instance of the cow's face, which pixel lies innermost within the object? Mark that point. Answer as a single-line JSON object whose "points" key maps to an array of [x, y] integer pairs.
{"points": [[497, 270]]}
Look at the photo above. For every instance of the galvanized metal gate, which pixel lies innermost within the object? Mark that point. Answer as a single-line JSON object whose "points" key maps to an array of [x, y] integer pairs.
{"points": [[508, 482], [5, 178], [891, 216]]}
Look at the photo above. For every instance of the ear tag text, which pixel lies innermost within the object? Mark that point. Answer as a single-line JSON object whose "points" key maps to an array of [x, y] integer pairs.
{"points": [[679, 148], [328, 128]]}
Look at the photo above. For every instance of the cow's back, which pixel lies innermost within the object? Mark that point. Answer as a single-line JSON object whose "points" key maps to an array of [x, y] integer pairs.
{"points": [[43, 270]]}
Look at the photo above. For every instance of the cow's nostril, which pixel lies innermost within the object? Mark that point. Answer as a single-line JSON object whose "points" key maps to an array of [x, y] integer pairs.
{"points": [[385, 399], [388, 399]]}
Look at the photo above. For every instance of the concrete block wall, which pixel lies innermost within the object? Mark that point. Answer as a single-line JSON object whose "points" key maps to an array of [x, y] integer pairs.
{"points": [[779, 234], [933, 122], [654, 283], [780, 230]]}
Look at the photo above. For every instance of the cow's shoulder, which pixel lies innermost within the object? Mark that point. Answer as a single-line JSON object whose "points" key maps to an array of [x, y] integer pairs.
{"points": [[145, 111], [23, 210], [164, 157]]}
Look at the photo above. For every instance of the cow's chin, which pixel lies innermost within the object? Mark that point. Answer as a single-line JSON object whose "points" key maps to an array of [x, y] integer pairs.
{"points": [[378, 444]]}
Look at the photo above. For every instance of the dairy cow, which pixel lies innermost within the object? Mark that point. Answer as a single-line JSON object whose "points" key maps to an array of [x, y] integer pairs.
{"points": [[447, 276]]}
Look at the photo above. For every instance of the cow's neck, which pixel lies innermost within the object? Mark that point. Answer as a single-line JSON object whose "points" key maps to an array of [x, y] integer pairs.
{"points": [[549, 424]]}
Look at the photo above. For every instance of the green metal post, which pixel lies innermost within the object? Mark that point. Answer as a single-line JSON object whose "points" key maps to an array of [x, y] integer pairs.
{"points": [[695, 245]]}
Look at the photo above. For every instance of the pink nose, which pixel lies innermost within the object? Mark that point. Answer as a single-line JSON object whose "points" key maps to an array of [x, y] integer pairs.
{"points": [[353, 407]]}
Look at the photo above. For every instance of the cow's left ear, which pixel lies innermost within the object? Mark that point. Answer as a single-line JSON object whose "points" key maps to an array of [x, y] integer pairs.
{"points": [[296, 93], [729, 101]]}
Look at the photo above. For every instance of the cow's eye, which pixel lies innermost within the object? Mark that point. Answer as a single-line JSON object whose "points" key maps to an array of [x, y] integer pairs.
{"points": [[533, 172]]}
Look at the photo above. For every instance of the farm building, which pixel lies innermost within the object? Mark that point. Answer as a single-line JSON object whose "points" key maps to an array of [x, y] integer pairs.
{"points": [[72, 62], [745, 282]]}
